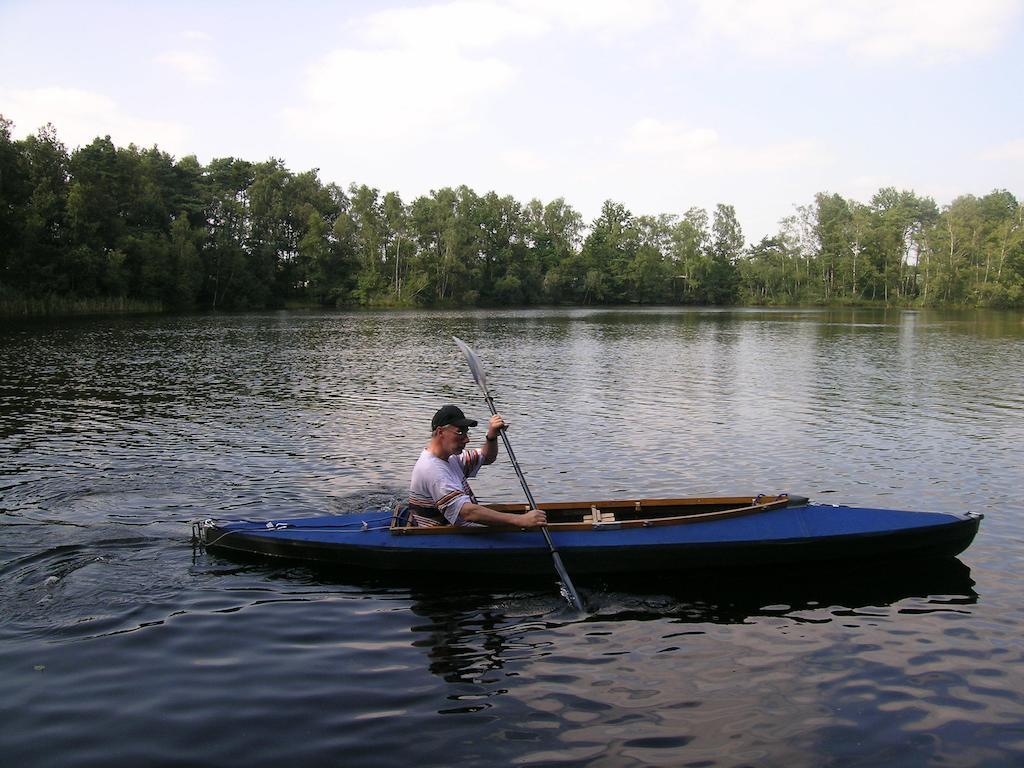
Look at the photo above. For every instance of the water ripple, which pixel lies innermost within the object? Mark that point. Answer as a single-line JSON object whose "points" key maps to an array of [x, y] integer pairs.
{"points": [[124, 644]]}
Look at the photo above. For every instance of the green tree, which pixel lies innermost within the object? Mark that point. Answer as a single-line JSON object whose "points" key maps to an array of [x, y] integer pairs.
{"points": [[898, 221], [968, 249], [607, 254], [44, 259], [333, 260], [765, 273], [690, 255], [722, 281], [369, 232], [223, 256], [96, 206], [398, 242], [510, 273], [14, 192], [448, 259], [833, 229], [649, 277], [554, 233], [186, 276]]}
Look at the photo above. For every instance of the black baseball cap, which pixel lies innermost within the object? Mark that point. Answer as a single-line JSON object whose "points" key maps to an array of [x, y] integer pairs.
{"points": [[451, 414]]}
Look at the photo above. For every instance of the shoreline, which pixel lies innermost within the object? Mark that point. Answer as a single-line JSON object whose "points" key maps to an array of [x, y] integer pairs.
{"points": [[59, 309]]}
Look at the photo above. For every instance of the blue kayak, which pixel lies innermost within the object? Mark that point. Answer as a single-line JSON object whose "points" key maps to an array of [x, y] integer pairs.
{"points": [[618, 536]]}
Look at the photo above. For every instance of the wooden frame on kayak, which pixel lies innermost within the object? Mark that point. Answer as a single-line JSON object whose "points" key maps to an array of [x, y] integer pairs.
{"points": [[617, 514]]}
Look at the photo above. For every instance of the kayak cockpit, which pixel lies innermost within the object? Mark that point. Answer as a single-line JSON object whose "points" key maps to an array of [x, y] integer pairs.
{"points": [[614, 514]]}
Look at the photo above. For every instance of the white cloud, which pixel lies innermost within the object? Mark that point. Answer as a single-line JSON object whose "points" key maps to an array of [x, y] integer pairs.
{"points": [[458, 24], [933, 29], [665, 166], [876, 30], [383, 96], [863, 186], [608, 16], [480, 24], [654, 137], [702, 150], [523, 161], [199, 68], [1010, 151], [430, 73], [80, 116], [415, 75]]}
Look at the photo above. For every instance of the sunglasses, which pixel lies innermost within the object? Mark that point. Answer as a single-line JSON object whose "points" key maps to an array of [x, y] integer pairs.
{"points": [[461, 430]]}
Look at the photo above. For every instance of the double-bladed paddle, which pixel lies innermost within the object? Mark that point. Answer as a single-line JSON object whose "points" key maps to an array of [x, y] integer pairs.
{"points": [[481, 379]]}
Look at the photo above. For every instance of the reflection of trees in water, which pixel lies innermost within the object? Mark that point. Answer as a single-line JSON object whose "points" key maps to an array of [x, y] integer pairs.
{"points": [[644, 676], [471, 635], [468, 636], [729, 597]]}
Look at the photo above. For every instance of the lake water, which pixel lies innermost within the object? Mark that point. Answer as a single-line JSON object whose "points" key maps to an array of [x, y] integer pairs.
{"points": [[122, 644]]}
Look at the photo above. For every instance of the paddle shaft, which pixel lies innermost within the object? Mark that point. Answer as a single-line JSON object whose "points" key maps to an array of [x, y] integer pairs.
{"points": [[481, 379], [562, 573]]}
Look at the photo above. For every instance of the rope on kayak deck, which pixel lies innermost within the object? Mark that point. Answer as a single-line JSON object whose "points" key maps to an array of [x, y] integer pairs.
{"points": [[200, 526]]}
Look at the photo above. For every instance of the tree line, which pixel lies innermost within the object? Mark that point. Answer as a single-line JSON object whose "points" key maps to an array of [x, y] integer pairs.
{"points": [[125, 226]]}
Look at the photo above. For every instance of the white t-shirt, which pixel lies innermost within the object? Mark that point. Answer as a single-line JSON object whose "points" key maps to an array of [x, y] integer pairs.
{"points": [[443, 484]]}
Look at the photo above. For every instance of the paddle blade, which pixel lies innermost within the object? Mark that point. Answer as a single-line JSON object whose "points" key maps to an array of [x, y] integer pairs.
{"points": [[474, 364]]}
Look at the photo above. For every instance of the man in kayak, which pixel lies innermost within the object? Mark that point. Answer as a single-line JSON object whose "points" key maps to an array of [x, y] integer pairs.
{"points": [[439, 493]]}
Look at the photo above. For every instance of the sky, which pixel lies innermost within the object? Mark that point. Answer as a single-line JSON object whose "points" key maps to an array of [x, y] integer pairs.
{"points": [[659, 105]]}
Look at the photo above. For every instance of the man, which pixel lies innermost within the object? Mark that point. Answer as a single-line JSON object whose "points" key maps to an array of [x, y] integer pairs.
{"points": [[439, 493]]}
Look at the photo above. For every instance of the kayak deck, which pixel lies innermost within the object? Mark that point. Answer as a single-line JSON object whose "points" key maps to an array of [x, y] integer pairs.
{"points": [[618, 513]]}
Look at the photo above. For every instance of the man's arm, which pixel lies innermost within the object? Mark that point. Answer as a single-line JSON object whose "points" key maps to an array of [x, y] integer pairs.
{"points": [[476, 513], [490, 446]]}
